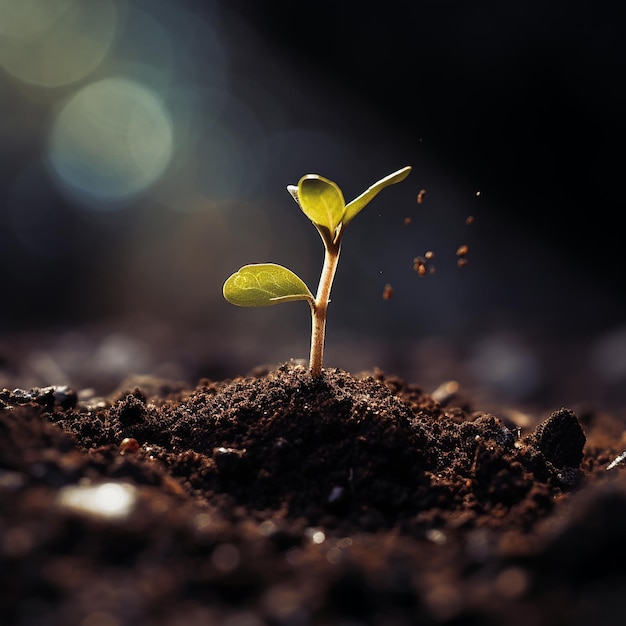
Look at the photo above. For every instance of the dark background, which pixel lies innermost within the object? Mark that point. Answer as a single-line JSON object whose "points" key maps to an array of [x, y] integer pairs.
{"points": [[510, 112], [526, 99]]}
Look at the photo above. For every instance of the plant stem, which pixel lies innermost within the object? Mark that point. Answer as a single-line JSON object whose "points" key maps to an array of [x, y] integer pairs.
{"points": [[320, 306]]}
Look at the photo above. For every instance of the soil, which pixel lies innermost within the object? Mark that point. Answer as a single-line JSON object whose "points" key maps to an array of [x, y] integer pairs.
{"points": [[280, 499]]}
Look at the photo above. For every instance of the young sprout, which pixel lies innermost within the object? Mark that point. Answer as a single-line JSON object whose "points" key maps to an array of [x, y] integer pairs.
{"points": [[266, 284]]}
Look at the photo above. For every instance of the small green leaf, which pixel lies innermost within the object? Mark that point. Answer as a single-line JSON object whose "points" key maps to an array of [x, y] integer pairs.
{"points": [[293, 190], [264, 284], [354, 207], [321, 201]]}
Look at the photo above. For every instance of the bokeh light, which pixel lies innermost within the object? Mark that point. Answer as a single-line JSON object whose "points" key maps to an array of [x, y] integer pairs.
{"points": [[52, 43], [112, 139]]}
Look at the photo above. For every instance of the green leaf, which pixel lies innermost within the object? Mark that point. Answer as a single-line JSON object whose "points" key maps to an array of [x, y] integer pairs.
{"points": [[293, 190], [321, 201], [264, 284], [354, 207]]}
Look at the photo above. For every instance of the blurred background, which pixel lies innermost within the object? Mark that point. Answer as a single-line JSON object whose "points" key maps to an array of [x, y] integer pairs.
{"points": [[146, 148]]}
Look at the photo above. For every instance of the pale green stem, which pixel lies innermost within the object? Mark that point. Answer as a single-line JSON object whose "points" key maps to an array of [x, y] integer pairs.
{"points": [[320, 306]]}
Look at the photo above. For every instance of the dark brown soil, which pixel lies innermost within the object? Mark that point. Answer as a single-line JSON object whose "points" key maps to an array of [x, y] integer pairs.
{"points": [[279, 499]]}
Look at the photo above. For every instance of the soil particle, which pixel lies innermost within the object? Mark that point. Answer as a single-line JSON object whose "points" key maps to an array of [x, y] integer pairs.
{"points": [[561, 439]]}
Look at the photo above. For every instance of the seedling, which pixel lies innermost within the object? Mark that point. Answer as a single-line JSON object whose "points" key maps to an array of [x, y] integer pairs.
{"points": [[266, 284]]}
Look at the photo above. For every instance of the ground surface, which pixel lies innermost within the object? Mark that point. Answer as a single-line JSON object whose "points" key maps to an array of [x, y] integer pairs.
{"points": [[276, 499]]}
